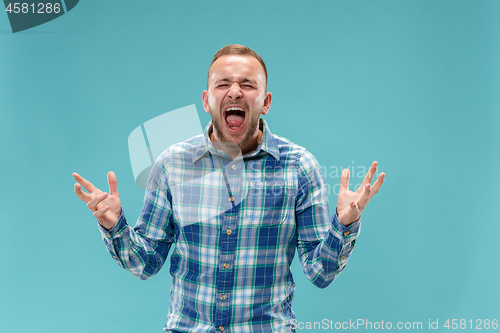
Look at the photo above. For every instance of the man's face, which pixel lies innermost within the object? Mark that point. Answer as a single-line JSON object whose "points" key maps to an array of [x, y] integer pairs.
{"points": [[236, 98]]}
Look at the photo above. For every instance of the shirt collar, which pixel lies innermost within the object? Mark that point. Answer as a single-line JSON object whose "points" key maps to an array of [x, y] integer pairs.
{"points": [[267, 144]]}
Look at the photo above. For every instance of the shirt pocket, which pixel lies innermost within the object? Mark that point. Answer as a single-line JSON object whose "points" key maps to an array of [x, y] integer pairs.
{"points": [[267, 203]]}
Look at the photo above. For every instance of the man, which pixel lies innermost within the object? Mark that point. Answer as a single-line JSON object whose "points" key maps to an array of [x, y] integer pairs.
{"points": [[236, 202]]}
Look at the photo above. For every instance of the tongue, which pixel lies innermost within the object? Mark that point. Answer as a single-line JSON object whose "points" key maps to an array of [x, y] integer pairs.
{"points": [[234, 120]]}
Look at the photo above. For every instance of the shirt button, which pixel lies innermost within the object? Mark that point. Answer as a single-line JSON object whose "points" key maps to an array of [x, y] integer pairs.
{"points": [[342, 257], [107, 234], [233, 166], [226, 265], [231, 199], [223, 297], [346, 233], [229, 232], [221, 328]]}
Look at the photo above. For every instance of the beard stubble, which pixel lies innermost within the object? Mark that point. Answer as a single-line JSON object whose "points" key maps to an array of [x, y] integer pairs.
{"points": [[254, 122]]}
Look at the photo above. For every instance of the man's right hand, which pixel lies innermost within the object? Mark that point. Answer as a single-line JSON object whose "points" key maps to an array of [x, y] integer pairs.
{"points": [[106, 207]]}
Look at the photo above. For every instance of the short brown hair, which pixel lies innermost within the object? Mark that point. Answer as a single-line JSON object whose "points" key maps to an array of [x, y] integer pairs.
{"points": [[237, 49]]}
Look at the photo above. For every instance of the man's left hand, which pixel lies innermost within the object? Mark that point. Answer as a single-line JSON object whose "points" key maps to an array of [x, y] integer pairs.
{"points": [[351, 204]]}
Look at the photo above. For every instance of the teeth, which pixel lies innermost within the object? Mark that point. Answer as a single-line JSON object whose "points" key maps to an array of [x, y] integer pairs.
{"points": [[234, 108]]}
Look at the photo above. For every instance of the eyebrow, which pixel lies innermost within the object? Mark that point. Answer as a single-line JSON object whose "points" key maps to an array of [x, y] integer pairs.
{"points": [[242, 81]]}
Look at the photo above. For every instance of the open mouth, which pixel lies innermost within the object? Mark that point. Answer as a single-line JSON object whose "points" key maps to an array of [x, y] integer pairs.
{"points": [[235, 118]]}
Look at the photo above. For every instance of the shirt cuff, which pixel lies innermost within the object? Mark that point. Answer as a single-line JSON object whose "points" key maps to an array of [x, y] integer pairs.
{"points": [[352, 228], [349, 234], [114, 232]]}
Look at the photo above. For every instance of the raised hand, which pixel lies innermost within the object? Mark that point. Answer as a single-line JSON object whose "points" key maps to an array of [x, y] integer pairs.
{"points": [[351, 204], [106, 207]]}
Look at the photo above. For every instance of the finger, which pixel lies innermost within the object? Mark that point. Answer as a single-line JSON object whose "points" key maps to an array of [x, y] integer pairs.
{"points": [[113, 184], [355, 211], [365, 197], [378, 183], [85, 197], [344, 180], [94, 203], [99, 214], [369, 175], [84, 182]]}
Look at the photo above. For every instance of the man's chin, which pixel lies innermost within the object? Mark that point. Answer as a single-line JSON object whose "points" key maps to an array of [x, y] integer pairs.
{"points": [[229, 141], [238, 140], [233, 142], [230, 144]]}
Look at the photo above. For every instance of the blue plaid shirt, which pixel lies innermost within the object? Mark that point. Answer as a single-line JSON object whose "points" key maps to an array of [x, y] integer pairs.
{"points": [[235, 225]]}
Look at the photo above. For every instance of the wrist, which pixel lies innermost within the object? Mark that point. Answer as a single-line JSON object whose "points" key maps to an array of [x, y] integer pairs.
{"points": [[347, 219]]}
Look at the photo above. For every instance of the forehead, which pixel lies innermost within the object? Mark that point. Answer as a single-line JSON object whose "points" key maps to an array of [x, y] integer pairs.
{"points": [[236, 67]]}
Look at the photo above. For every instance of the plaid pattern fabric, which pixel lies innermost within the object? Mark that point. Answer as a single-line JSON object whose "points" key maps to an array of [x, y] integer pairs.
{"points": [[235, 225]]}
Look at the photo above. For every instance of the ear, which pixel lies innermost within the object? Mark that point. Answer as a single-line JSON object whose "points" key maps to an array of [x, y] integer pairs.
{"points": [[267, 103], [204, 98]]}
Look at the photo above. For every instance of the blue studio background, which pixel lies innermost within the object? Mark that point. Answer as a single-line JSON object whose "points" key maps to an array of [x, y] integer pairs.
{"points": [[412, 84]]}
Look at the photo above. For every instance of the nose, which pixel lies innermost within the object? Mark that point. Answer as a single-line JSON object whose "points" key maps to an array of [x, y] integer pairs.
{"points": [[234, 91]]}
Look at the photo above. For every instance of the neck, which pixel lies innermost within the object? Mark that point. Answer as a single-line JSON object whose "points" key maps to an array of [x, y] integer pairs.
{"points": [[233, 150], [253, 144]]}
